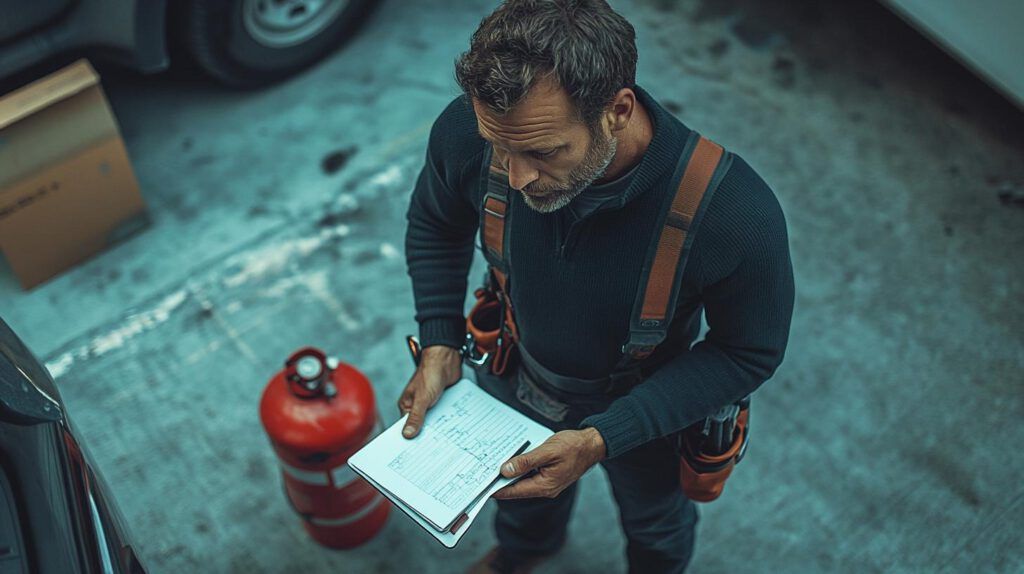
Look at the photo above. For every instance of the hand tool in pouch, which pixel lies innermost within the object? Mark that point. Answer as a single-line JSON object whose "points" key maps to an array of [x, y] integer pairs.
{"points": [[711, 448]]}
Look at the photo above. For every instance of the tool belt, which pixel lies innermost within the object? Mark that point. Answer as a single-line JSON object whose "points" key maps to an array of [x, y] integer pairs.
{"points": [[618, 382], [709, 449]]}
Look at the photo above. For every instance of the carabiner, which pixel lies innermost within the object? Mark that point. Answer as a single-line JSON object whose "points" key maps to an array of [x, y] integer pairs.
{"points": [[470, 353]]}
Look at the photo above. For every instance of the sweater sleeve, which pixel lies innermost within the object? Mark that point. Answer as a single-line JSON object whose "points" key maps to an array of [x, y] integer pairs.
{"points": [[442, 222], [743, 256]]}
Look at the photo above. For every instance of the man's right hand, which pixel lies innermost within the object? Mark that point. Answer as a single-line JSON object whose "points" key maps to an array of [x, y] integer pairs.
{"points": [[440, 367]]}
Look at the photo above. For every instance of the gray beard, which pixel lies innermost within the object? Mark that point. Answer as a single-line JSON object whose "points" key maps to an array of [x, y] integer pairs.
{"points": [[592, 168]]}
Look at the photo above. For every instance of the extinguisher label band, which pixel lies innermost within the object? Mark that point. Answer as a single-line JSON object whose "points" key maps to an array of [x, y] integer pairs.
{"points": [[314, 477], [343, 475], [339, 476], [372, 505]]}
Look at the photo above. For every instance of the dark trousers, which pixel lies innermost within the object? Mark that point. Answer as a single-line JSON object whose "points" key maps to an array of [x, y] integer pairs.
{"points": [[658, 520]]}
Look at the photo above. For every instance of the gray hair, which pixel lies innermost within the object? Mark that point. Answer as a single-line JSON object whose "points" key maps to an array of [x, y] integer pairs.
{"points": [[583, 44]]}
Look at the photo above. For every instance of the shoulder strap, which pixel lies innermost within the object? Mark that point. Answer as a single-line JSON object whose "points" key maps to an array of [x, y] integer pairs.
{"points": [[701, 166], [493, 212]]}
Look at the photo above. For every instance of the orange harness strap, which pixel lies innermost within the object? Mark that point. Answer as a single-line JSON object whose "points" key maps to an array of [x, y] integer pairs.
{"points": [[495, 211], [677, 224], [702, 165]]}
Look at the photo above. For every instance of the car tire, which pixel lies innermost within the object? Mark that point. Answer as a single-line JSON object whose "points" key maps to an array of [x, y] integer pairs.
{"points": [[249, 43]]}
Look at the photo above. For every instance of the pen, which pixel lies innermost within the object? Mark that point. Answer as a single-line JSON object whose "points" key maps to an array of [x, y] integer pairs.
{"points": [[465, 515]]}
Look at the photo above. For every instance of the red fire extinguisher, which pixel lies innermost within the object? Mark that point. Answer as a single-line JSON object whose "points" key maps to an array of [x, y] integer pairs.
{"points": [[317, 412]]}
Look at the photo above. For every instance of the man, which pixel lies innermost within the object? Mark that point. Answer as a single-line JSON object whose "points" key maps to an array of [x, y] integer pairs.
{"points": [[550, 95]]}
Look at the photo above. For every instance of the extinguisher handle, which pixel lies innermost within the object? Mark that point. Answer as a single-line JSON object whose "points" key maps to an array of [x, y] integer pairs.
{"points": [[308, 373]]}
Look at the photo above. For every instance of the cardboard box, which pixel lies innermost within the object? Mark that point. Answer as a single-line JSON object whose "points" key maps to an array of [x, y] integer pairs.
{"points": [[67, 189]]}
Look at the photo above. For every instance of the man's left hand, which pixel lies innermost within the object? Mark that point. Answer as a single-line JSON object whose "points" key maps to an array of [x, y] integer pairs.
{"points": [[559, 461]]}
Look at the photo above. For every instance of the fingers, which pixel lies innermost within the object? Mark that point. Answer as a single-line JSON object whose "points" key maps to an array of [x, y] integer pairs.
{"points": [[420, 403], [536, 458], [425, 393], [417, 397], [536, 486], [439, 367], [405, 399]]}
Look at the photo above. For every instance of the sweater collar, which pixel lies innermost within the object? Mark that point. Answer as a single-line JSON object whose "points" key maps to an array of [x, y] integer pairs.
{"points": [[661, 154]]}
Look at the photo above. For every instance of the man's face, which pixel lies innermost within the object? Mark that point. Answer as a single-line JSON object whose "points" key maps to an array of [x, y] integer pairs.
{"points": [[550, 155]]}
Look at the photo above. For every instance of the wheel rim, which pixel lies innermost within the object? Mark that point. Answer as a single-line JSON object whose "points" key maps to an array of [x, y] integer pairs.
{"points": [[283, 23]]}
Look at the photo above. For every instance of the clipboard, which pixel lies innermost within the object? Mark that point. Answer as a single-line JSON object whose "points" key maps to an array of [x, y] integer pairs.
{"points": [[391, 463]]}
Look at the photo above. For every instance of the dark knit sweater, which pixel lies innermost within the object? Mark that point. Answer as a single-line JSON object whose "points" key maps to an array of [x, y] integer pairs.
{"points": [[573, 282]]}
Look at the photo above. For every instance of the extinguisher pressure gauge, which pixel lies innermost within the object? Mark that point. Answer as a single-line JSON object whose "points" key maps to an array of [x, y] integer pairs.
{"points": [[309, 369]]}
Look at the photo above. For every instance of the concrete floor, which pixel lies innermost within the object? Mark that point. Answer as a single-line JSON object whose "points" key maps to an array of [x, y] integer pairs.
{"points": [[887, 442]]}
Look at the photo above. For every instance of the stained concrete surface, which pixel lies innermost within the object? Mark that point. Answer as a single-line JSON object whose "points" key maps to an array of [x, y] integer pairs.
{"points": [[887, 441]]}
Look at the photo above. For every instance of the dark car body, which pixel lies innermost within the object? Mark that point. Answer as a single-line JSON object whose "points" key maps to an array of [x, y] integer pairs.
{"points": [[240, 43], [56, 513], [130, 32]]}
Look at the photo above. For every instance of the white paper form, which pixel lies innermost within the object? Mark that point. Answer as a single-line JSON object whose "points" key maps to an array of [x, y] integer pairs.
{"points": [[465, 438]]}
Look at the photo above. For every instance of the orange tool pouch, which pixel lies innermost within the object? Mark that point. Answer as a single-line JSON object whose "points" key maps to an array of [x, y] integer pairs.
{"points": [[491, 324], [702, 475], [484, 321]]}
